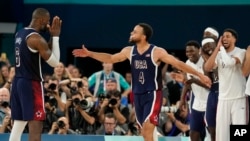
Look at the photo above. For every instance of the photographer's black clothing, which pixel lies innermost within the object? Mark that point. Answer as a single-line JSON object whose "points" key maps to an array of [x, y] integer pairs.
{"points": [[79, 124], [49, 119], [124, 111]]}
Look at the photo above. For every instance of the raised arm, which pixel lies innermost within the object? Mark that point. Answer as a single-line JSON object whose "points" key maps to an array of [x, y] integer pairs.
{"points": [[210, 63], [169, 59], [103, 57]]}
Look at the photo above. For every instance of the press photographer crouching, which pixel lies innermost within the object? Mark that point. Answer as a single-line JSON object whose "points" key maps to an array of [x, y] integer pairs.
{"points": [[55, 101], [5, 111], [54, 92], [177, 122], [61, 126], [81, 113], [111, 103]]}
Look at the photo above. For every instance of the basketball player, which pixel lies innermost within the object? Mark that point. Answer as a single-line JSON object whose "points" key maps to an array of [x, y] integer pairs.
{"points": [[208, 46], [146, 77], [27, 94], [209, 42], [231, 107]]}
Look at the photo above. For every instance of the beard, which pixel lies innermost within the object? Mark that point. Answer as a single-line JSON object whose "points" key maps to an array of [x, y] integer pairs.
{"points": [[133, 41], [44, 29]]}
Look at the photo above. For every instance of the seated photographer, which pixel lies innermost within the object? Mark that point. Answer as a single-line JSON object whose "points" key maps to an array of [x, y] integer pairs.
{"points": [[177, 123], [111, 85], [71, 85], [110, 126], [111, 103], [5, 111], [4, 104], [6, 125], [51, 113], [61, 126], [53, 91], [81, 114]]}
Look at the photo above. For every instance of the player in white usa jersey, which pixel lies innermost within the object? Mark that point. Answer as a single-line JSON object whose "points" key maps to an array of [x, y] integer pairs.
{"points": [[232, 99]]}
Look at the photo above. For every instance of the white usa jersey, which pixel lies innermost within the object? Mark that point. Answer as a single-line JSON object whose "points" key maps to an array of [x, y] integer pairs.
{"points": [[232, 83], [200, 93]]}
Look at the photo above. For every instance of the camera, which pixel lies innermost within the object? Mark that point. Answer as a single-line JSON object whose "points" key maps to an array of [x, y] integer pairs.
{"points": [[4, 104], [73, 90], [132, 127], [169, 109], [113, 101], [84, 104], [76, 101], [52, 86], [51, 100], [60, 124], [102, 96], [79, 84]]}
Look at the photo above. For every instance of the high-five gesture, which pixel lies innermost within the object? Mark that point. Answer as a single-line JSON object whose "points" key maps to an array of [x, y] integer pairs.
{"points": [[83, 52]]}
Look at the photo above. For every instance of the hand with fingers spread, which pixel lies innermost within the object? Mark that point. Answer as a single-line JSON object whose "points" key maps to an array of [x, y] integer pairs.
{"points": [[83, 52]]}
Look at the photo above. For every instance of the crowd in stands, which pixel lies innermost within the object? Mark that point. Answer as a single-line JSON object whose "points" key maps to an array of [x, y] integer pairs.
{"points": [[101, 104]]}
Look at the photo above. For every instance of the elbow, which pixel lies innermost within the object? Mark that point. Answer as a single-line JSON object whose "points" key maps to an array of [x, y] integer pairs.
{"points": [[245, 73], [208, 68], [92, 121], [53, 61]]}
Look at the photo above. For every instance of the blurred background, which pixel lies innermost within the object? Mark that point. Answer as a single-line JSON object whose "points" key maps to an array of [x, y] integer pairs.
{"points": [[105, 25]]}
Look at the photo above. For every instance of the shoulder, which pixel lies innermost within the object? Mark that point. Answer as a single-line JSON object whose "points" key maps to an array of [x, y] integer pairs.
{"points": [[127, 49], [238, 49], [35, 40], [159, 49]]}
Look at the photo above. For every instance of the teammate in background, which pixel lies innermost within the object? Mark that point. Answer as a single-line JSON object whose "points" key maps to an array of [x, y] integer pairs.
{"points": [[246, 71], [231, 107], [146, 77], [209, 42], [208, 46], [27, 91], [199, 92], [212, 33]]}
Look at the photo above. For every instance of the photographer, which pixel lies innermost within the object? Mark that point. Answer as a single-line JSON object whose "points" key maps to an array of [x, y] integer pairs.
{"points": [[53, 91], [112, 104], [61, 126], [81, 114], [51, 116], [72, 85], [177, 123], [54, 102], [5, 111], [4, 104]]}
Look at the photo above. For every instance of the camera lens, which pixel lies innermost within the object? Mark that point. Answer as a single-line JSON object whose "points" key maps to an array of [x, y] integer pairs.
{"points": [[112, 101], [52, 86], [85, 104], [76, 101], [73, 90], [61, 124], [5, 104], [79, 84]]}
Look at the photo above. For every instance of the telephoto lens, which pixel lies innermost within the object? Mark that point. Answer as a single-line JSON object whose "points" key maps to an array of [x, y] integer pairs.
{"points": [[86, 104], [5, 104], [113, 101], [61, 124], [52, 86]]}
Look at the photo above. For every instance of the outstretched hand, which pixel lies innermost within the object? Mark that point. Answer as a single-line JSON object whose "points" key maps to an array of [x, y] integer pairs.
{"points": [[83, 52], [206, 80], [179, 77]]}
